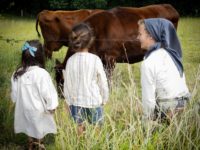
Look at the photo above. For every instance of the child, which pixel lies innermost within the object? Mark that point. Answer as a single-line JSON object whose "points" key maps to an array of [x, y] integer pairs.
{"points": [[34, 96], [85, 82]]}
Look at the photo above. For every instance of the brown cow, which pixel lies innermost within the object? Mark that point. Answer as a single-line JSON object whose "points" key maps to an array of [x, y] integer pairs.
{"points": [[116, 31], [56, 26]]}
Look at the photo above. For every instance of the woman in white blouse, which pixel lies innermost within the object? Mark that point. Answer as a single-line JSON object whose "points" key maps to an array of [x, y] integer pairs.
{"points": [[34, 96], [85, 82], [162, 76]]}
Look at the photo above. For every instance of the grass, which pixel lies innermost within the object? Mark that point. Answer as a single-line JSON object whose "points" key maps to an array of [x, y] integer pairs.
{"points": [[123, 128]]}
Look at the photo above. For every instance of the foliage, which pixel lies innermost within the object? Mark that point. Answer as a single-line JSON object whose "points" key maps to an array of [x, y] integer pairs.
{"points": [[92, 4], [59, 4]]}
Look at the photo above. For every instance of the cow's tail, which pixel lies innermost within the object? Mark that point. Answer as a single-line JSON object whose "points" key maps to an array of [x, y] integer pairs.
{"points": [[36, 25]]}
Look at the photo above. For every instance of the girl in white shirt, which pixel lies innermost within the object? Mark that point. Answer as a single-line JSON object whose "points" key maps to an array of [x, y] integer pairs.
{"points": [[162, 76], [85, 82], [34, 95]]}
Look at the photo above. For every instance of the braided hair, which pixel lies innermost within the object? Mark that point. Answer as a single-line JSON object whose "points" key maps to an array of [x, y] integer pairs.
{"points": [[81, 37]]}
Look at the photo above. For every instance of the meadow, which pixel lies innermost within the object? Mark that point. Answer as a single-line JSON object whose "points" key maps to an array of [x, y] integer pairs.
{"points": [[122, 128]]}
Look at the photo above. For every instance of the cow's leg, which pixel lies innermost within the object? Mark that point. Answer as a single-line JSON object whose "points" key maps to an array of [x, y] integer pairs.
{"points": [[59, 78], [48, 53], [68, 54], [109, 68]]}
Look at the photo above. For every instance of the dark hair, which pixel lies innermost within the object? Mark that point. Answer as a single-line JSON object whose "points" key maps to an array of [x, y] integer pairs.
{"points": [[81, 37], [28, 60]]}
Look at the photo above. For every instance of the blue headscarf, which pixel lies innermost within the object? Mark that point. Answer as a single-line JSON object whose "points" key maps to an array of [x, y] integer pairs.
{"points": [[165, 36]]}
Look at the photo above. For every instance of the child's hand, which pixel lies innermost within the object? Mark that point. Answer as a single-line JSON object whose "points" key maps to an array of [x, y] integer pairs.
{"points": [[103, 103], [52, 111]]}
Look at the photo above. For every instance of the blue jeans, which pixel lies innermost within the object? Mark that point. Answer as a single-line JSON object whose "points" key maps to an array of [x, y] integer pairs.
{"points": [[92, 115]]}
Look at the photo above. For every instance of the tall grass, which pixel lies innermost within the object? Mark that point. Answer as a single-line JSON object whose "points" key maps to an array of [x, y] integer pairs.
{"points": [[123, 128]]}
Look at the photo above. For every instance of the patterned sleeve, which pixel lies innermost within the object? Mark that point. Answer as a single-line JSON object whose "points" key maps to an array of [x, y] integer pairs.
{"points": [[48, 92], [67, 83], [13, 89], [102, 81]]}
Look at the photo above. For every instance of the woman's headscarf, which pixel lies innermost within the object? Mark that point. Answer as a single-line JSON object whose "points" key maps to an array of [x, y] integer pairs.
{"points": [[165, 36]]}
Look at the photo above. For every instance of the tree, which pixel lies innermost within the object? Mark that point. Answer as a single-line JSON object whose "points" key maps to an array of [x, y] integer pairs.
{"points": [[60, 4], [83, 4]]}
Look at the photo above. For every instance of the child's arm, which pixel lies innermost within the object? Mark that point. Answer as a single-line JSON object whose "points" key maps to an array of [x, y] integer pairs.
{"points": [[67, 85], [13, 89], [48, 92], [102, 81]]}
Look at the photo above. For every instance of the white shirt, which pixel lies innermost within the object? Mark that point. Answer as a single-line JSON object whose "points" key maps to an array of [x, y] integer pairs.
{"points": [[34, 94], [85, 82], [160, 79]]}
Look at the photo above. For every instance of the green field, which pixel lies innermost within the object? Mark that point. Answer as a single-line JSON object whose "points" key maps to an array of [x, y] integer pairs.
{"points": [[122, 128]]}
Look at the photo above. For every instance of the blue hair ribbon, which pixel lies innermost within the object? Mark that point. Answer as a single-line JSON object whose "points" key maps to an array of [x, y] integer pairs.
{"points": [[31, 49]]}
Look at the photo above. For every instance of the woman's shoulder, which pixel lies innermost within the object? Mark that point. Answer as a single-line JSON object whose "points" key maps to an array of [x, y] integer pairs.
{"points": [[159, 52], [155, 57]]}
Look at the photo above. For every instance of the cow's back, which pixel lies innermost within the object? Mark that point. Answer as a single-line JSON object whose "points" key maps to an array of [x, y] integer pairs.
{"points": [[130, 15], [56, 26]]}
